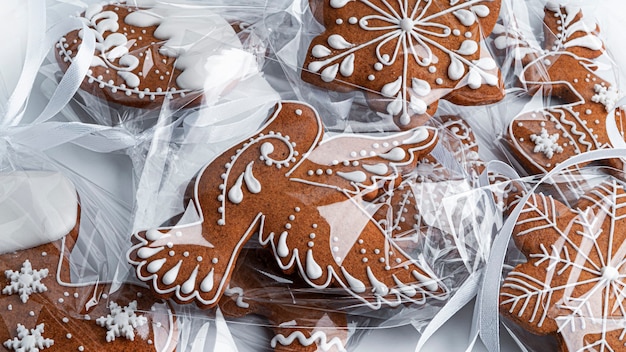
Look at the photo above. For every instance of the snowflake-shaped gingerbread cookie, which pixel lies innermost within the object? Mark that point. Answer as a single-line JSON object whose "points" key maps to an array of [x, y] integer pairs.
{"points": [[406, 54], [573, 284]]}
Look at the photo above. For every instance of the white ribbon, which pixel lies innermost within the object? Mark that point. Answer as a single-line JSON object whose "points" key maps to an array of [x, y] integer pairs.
{"points": [[464, 295], [37, 47], [487, 301]]}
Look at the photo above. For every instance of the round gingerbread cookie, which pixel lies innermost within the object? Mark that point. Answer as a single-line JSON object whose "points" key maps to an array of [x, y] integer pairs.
{"points": [[42, 308], [572, 284], [149, 53], [406, 55]]}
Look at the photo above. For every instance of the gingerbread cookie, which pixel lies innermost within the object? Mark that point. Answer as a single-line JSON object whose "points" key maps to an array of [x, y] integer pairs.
{"points": [[304, 196], [414, 205], [148, 55], [584, 116], [573, 281], [302, 319], [42, 308], [407, 55]]}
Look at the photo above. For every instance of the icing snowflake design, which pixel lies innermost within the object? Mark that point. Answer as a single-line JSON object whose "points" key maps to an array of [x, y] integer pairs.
{"points": [[122, 321], [25, 282], [405, 37], [574, 282], [546, 143], [29, 340], [606, 96]]}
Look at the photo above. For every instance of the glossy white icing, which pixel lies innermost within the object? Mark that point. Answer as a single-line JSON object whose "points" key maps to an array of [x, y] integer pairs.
{"points": [[406, 35], [36, 207], [318, 338]]}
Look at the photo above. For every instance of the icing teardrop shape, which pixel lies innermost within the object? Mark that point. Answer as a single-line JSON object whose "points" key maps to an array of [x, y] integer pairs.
{"points": [[378, 287], [330, 73], [391, 89], [235, 194], [466, 17], [336, 41], [418, 105], [420, 87], [156, 265], [354, 176], [468, 47], [130, 78], [189, 285], [378, 169], [355, 285], [337, 4], [456, 70], [395, 154], [405, 289], [481, 10], [282, 250], [267, 148], [153, 235], [418, 136], [320, 51], [473, 79], [171, 275], [207, 283], [253, 185], [313, 270], [347, 66], [147, 252], [129, 61], [429, 283], [395, 107]]}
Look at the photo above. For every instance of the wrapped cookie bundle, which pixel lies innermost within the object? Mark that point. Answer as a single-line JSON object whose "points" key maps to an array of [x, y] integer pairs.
{"points": [[293, 175]]}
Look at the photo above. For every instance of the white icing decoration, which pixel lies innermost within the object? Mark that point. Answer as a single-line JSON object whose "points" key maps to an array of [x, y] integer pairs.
{"points": [[456, 70], [313, 270], [253, 185], [320, 51], [171, 275], [235, 194], [282, 250], [231, 291], [355, 284], [395, 154], [156, 265], [25, 282], [339, 3], [407, 290], [29, 340], [605, 96], [353, 176], [419, 135], [391, 89], [347, 66], [190, 284], [420, 87], [468, 47], [428, 282], [379, 169], [546, 143], [466, 17], [582, 281], [147, 252], [121, 321], [378, 287], [154, 235], [35, 208], [409, 36], [318, 337], [207, 284], [336, 41], [330, 73]]}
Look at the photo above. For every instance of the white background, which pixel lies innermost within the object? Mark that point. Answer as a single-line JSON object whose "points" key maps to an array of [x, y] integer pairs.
{"points": [[112, 171]]}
